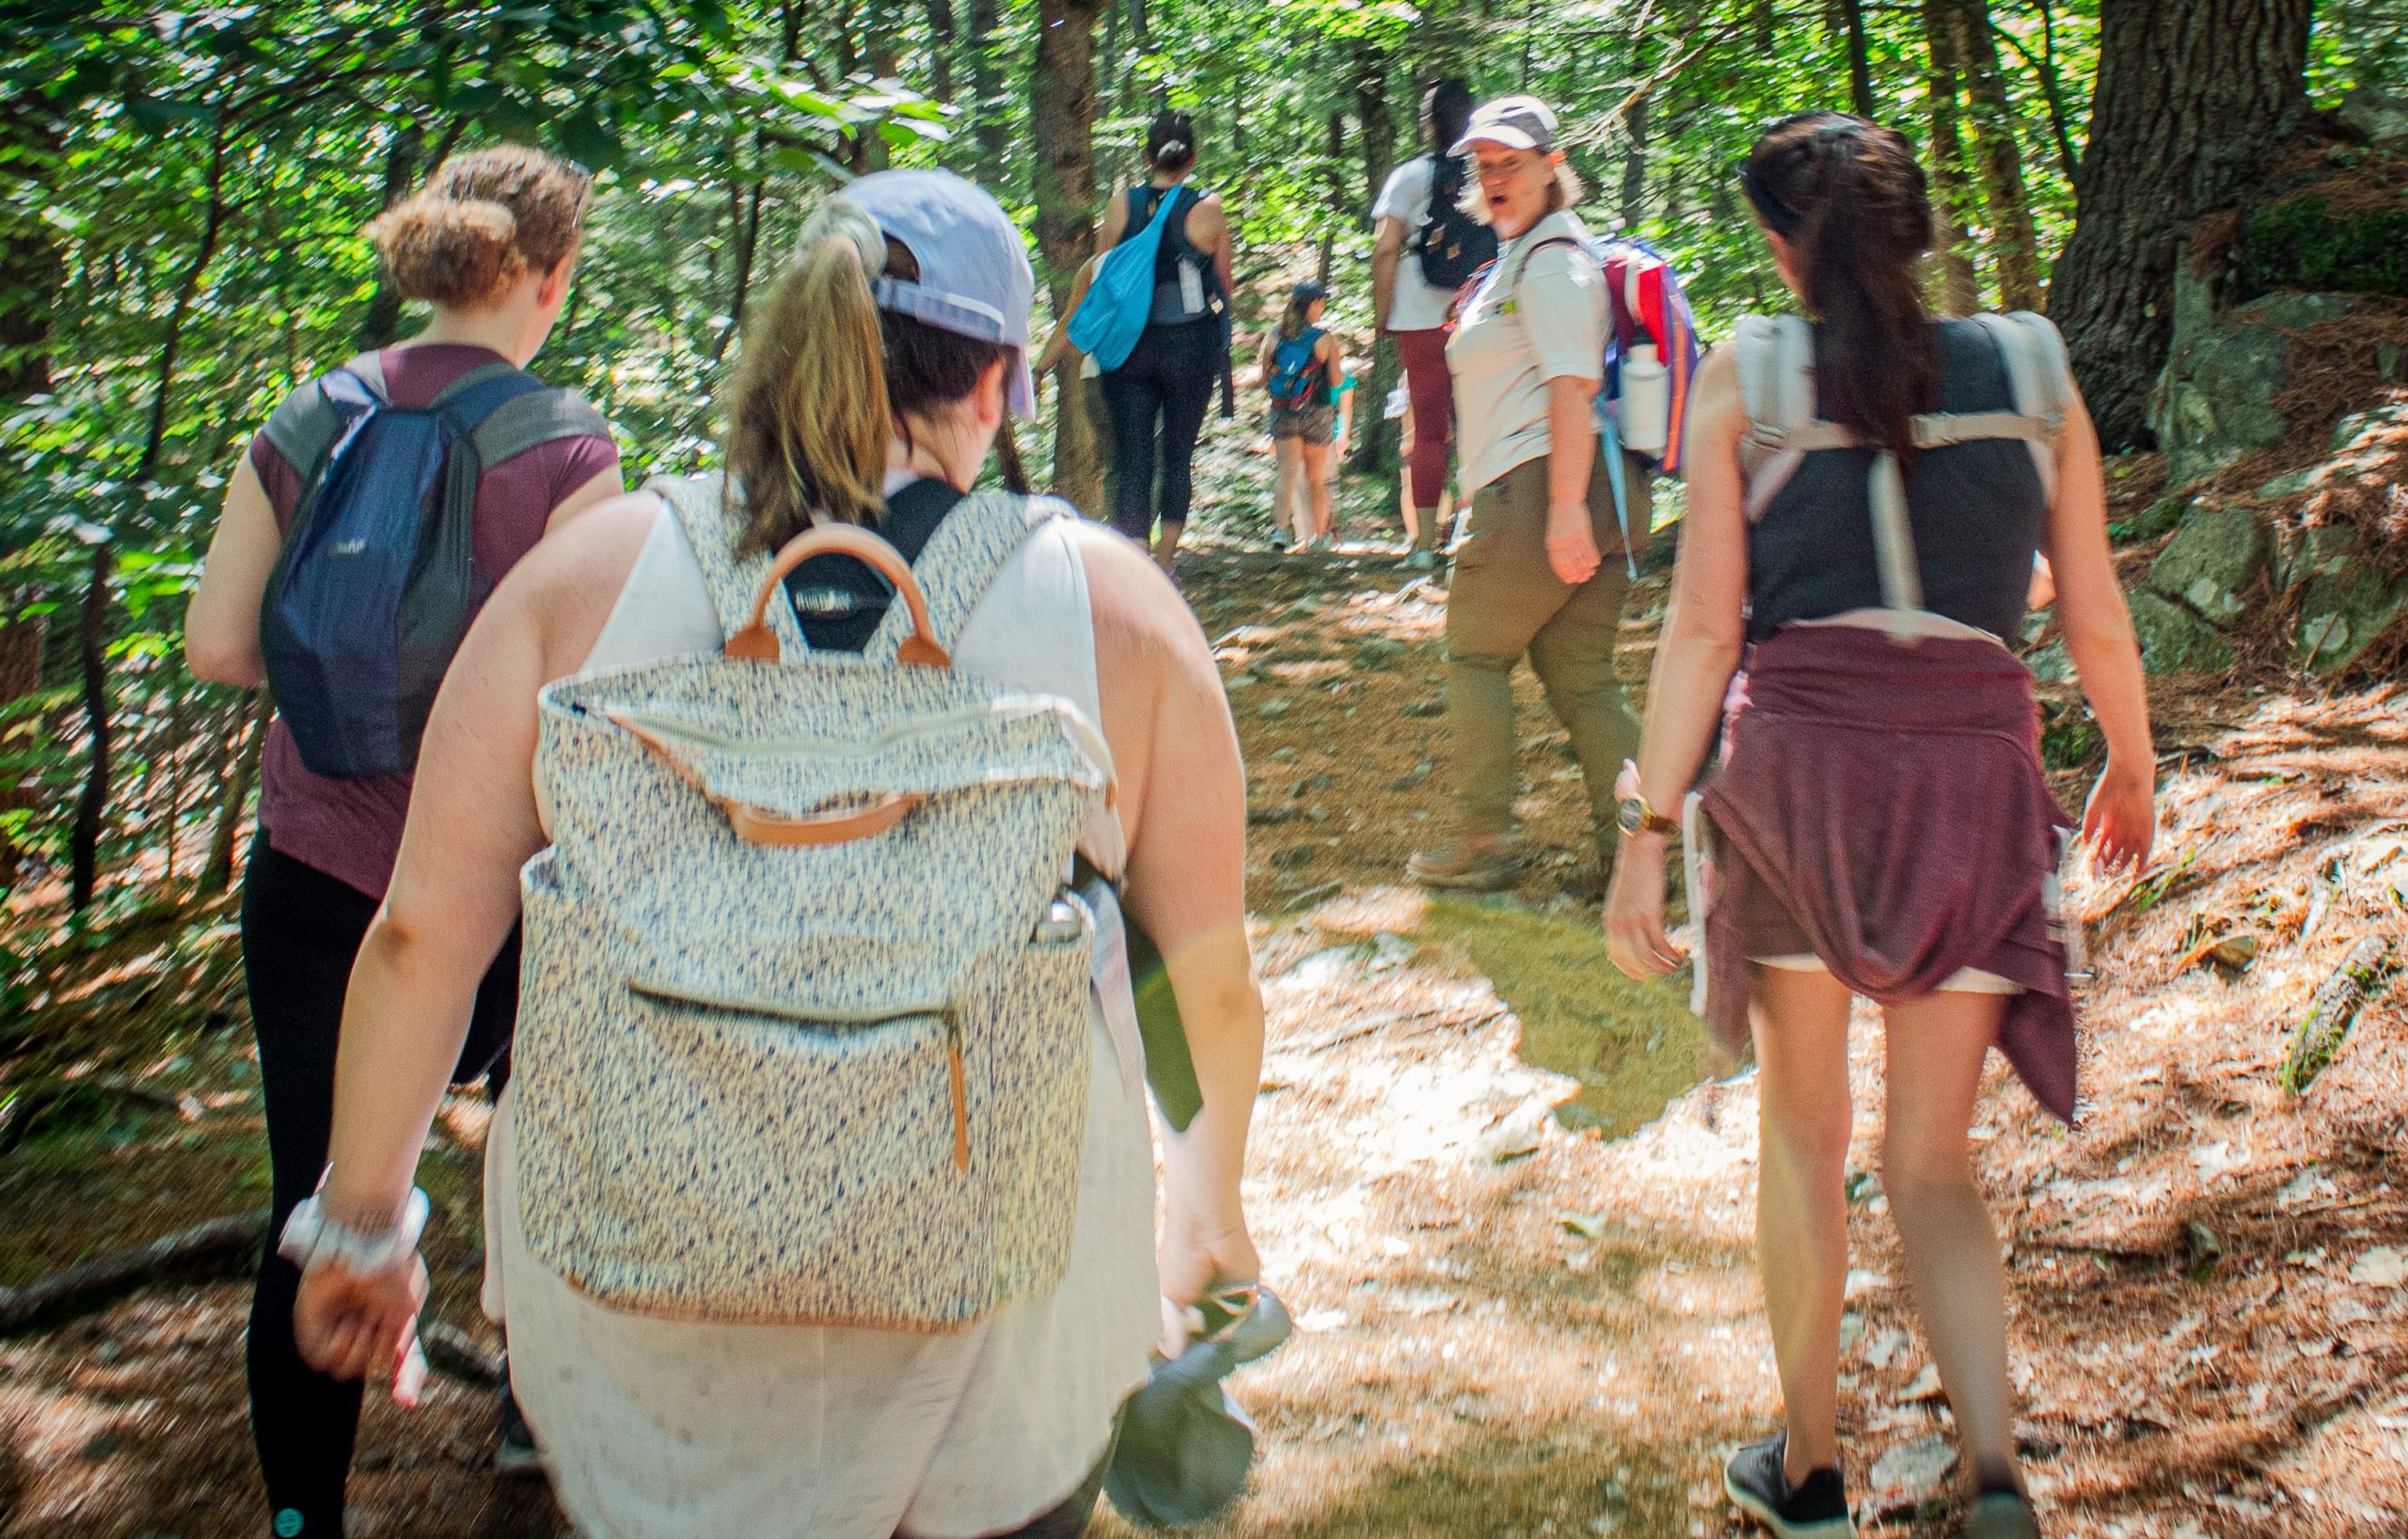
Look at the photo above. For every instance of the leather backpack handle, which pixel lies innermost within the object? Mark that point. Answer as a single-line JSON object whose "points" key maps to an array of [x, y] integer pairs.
{"points": [[757, 642]]}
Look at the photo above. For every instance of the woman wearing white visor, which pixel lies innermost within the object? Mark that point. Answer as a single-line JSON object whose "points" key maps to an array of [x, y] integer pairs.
{"points": [[873, 383]]}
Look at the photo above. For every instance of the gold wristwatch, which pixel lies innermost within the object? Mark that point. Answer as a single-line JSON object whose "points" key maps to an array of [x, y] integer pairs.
{"points": [[1632, 813]]}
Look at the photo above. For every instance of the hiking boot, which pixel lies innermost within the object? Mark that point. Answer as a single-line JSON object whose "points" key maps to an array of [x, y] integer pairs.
{"points": [[2001, 1515], [514, 1452], [1755, 1481], [1466, 865]]}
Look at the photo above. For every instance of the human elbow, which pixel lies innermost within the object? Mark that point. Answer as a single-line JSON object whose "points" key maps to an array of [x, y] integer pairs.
{"points": [[214, 658]]}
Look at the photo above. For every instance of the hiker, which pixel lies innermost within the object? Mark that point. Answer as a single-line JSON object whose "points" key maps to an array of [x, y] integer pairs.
{"points": [[490, 242], [1058, 348], [1427, 246], [872, 383], [1531, 575], [1159, 394], [1866, 491], [1303, 368]]}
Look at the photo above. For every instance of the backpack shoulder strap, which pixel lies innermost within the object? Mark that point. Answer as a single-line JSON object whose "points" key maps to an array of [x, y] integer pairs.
{"points": [[369, 368], [699, 503], [2037, 372], [961, 562], [532, 418], [1776, 356]]}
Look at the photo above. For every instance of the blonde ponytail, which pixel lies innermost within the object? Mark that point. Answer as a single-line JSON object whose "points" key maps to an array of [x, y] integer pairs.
{"points": [[808, 416]]}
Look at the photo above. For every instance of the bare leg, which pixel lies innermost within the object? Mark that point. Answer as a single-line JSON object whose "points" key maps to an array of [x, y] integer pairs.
{"points": [[1936, 1045], [1800, 1024], [1316, 457], [1288, 496], [1166, 542]]}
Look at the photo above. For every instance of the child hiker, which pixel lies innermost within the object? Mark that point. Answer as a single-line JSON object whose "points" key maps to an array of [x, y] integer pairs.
{"points": [[1303, 368]]}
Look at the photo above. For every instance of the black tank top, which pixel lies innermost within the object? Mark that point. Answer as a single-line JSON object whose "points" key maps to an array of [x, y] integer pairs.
{"points": [[1978, 509]]}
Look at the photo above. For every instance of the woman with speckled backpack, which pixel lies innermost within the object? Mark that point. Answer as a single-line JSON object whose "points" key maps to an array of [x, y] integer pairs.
{"points": [[872, 386]]}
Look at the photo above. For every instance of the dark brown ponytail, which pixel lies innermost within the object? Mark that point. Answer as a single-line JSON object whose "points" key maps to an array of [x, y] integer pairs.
{"points": [[1848, 196]]}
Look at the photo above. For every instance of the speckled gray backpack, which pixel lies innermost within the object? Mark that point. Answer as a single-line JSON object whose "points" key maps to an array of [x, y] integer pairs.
{"points": [[802, 1032]]}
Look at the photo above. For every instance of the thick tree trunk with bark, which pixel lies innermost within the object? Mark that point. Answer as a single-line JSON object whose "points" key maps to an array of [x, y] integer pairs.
{"points": [[1062, 131], [1960, 285], [2191, 94], [2014, 243]]}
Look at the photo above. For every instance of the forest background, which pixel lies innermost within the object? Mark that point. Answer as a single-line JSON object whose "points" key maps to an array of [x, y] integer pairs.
{"points": [[182, 191]]}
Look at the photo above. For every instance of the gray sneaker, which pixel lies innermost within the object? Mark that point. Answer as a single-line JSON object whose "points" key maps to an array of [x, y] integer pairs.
{"points": [[2001, 1515]]}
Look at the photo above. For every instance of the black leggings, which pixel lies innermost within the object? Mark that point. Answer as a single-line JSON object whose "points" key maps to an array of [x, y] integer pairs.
{"points": [[1160, 395], [301, 931]]}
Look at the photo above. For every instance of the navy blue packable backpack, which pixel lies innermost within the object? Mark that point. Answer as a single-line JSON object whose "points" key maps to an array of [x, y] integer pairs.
{"points": [[376, 583]]}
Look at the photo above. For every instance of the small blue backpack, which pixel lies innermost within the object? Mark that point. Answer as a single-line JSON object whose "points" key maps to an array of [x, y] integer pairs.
{"points": [[377, 581], [1294, 383], [1120, 297]]}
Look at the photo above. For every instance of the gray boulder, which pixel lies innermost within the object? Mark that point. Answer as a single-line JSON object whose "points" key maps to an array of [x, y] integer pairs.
{"points": [[2213, 561], [2346, 611], [2382, 116], [2301, 555], [2175, 641], [2216, 401]]}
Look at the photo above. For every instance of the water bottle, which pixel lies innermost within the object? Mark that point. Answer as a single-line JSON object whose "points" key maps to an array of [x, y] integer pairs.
{"points": [[1646, 401]]}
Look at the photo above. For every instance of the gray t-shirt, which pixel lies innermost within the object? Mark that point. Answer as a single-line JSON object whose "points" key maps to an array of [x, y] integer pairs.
{"points": [[1538, 316]]}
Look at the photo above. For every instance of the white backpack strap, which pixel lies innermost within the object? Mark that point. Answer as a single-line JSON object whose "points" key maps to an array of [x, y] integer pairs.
{"points": [[700, 506], [961, 561], [2037, 373], [1893, 538], [1776, 356]]}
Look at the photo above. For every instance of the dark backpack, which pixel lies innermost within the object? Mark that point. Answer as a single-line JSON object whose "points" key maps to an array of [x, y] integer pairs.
{"points": [[1451, 245], [1296, 381], [377, 581]]}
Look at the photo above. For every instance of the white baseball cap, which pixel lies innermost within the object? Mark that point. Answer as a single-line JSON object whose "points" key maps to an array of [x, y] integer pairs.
{"points": [[975, 279], [1517, 122]]}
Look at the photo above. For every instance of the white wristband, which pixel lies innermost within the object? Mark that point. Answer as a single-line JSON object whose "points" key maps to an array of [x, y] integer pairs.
{"points": [[310, 1236]]}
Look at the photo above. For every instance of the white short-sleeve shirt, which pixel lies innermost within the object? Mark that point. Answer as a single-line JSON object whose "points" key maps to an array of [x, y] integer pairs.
{"points": [[1418, 304], [1538, 316]]}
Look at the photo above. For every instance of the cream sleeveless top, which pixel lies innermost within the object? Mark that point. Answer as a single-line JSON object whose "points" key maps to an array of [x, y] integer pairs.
{"points": [[657, 1429]]}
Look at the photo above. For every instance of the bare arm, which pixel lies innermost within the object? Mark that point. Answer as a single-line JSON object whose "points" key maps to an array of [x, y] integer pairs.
{"points": [[1182, 801], [1057, 347], [222, 623], [1571, 455], [2121, 819], [604, 486], [1699, 651], [1208, 229], [472, 824], [1386, 251]]}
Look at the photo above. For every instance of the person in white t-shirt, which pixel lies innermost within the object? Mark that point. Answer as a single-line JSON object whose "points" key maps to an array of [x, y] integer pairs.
{"points": [[1414, 310]]}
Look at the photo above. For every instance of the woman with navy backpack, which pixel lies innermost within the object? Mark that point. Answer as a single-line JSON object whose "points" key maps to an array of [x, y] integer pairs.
{"points": [[1159, 394], [1867, 488], [1303, 367], [432, 465]]}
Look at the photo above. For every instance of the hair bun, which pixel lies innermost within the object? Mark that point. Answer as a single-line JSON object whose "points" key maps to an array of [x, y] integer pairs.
{"points": [[448, 250]]}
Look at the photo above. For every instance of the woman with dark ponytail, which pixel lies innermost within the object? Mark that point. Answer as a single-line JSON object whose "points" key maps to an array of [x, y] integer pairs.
{"points": [[1867, 489], [1159, 395]]}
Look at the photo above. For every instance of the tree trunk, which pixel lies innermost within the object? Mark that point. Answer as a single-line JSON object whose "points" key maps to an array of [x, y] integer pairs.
{"points": [[940, 45], [242, 769], [1860, 59], [2190, 93], [91, 807], [1960, 286], [989, 123], [1062, 131], [213, 224], [1374, 450], [1634, 167], [401, 154], [2013, 241], [21, 647], [744, 225], [2043, 66]]}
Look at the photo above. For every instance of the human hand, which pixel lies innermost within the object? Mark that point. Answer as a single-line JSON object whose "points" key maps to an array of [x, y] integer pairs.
{"points": [[363, 1326], [1635, 938], [2120, 822], [1570, 544], [1200, 1254]]}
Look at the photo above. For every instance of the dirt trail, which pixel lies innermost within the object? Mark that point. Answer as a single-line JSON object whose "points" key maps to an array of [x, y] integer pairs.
{"points": [[1513, 1216]]}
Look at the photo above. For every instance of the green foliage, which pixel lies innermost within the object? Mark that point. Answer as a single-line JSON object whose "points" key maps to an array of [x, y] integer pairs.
{"points": [[2306, 244]]}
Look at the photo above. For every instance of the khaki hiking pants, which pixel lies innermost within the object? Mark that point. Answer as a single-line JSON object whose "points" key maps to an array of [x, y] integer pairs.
{"points": [[1505, 602]]}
